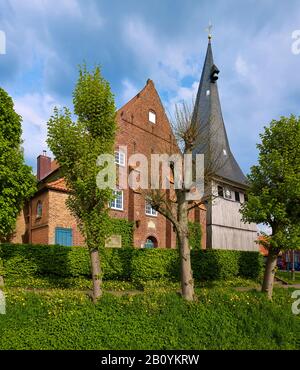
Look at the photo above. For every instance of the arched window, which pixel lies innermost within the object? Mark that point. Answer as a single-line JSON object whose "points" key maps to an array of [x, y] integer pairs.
{"points": [[39, 209], [150, 243]]}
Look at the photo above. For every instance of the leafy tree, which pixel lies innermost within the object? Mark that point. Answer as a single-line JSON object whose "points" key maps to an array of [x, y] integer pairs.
{"points": [[17, 183], [274, 194], [76, 146]]}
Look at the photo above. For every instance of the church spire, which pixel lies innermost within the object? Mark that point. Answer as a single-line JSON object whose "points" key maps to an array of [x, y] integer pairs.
{"points": [[208, 115]]}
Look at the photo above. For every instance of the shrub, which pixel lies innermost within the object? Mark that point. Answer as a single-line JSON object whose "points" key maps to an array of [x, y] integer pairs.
{"points": [[116, 263], [195, 235], [215, 264], [137, 265], [250, 264], [154, 264]]}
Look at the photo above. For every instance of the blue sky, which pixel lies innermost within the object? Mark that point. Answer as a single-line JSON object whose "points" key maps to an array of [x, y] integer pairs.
{"points": [[163, 40]]}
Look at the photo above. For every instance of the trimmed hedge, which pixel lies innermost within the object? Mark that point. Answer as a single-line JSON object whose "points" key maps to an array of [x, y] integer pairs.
{"points": [[137, 265], [195, 235]]}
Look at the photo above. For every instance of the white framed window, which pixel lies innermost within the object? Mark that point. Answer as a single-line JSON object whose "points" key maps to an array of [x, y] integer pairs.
{"points": [[149, 210], [120, 158], [152, 116], [117, 202]]}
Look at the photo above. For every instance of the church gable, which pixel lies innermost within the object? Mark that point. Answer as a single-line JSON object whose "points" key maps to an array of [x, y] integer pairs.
{"points": [[146, 112]]}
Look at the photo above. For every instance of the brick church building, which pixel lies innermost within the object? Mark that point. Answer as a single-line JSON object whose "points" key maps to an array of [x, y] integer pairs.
{"points": [[143, 127]]}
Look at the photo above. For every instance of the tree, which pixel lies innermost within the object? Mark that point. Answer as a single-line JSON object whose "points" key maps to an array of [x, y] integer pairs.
{"points": [[274, 193], [175, 204], [76, 146], [17, 183]]}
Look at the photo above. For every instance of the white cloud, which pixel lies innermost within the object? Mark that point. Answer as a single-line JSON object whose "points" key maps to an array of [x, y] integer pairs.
{"points": [[241, 66], [129, 91], [35, 110], [183, 94], [167, 60]]}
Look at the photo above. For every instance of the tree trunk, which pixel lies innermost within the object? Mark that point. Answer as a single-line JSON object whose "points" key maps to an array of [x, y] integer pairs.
{"points": [[96, 274], [269, 274], [187, 281]]}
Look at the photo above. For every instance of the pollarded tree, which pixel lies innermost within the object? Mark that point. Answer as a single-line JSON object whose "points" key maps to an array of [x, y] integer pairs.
{"points": [[17, 183], [185, 196], [274, 193], [76, 146]]}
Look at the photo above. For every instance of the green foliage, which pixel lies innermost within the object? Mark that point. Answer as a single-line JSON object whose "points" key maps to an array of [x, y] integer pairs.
{"points": [[116, 263], [274, 194], [77, 145], [220, 319], [17, 183], [195, 234], [154, 264], [137, 265], [125, 229]]}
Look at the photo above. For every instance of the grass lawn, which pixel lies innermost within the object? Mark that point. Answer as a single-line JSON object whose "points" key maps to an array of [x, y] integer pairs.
{"points": [[222, 318]]}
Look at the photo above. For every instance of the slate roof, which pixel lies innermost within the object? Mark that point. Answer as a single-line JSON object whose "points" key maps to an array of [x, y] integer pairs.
{"points": [[213, 140]]}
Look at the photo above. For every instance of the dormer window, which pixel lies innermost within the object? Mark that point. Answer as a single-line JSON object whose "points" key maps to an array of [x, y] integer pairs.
{"points": [[152, 116]]}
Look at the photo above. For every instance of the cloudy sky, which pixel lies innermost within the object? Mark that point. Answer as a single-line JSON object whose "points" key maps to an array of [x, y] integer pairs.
{"points": [[164, 40]]}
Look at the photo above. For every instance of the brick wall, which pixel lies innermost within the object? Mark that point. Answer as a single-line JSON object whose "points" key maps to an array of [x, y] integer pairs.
{"points": [[38, 233], [60, 216]]}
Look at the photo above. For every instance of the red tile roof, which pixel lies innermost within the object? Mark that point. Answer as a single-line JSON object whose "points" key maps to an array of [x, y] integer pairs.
{"points": [[58, 184]]}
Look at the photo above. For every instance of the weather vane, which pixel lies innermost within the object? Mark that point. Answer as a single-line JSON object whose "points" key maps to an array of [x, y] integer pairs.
{"points": [[209, 29]]}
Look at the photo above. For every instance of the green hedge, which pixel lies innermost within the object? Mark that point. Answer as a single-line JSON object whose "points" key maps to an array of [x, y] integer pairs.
{"points": [[154, 264], [137, 265], [195, 235]]}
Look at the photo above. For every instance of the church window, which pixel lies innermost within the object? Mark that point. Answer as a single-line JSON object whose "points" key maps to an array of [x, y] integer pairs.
{"points": [[237, 196], [39, 209], [152, 116]]}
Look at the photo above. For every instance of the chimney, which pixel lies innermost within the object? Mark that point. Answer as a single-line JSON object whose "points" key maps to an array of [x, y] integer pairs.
{"points": [[43, 165]]}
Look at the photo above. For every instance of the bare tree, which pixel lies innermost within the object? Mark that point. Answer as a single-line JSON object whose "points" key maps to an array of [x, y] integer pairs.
{"points": [[174, 204]]}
